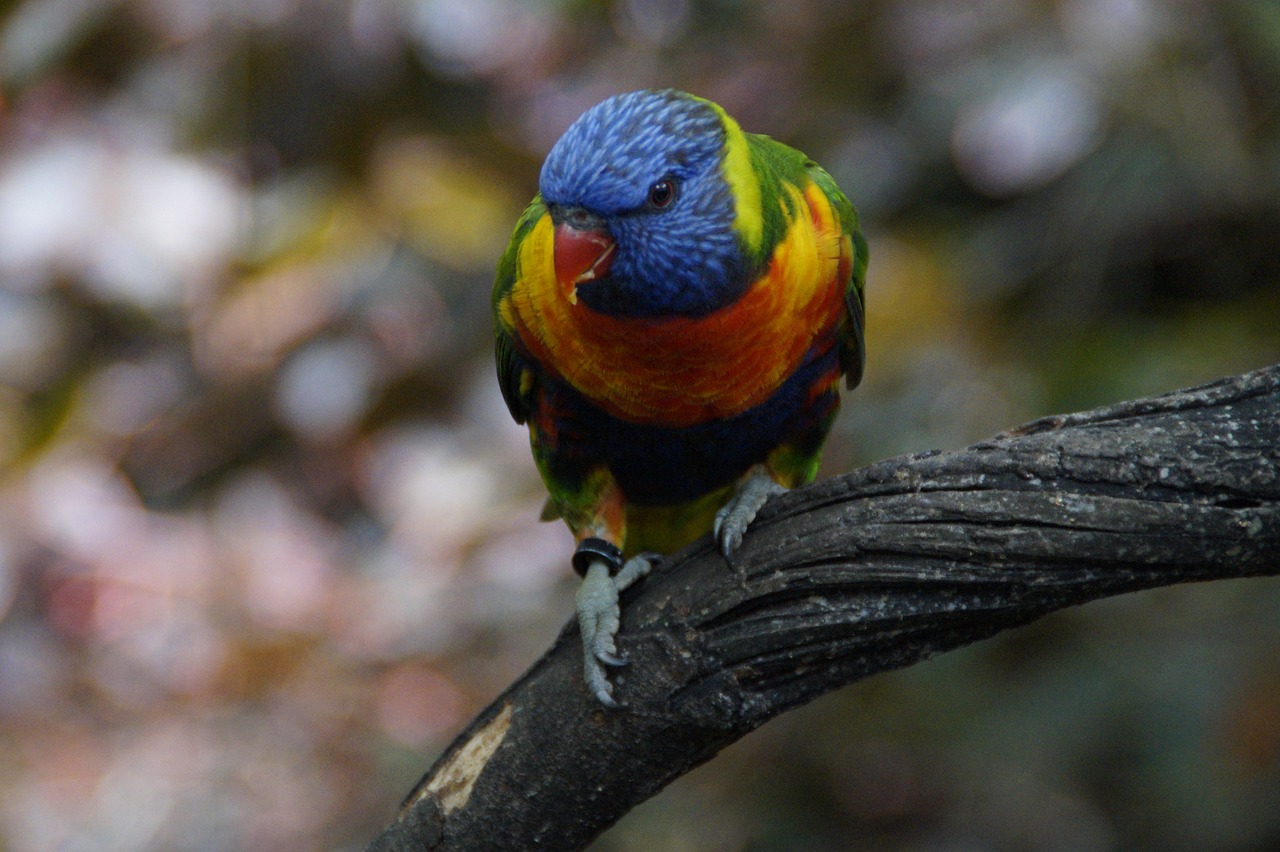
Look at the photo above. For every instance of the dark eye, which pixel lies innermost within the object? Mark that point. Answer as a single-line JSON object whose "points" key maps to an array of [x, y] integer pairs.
{"points": [[662, 193]]}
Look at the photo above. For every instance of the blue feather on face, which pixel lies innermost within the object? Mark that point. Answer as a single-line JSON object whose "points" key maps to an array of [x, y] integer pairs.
{"points": [[681, 260]]}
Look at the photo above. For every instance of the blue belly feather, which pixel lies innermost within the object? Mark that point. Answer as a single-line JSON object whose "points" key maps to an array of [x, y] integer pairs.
{"points": [[660, 466]]}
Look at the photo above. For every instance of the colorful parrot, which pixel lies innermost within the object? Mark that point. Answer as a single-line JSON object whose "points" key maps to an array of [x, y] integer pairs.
{"points": [[674, 313]]}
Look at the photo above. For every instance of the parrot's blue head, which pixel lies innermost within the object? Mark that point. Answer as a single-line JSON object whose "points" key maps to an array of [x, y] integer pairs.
{"points": [[644, 215]]}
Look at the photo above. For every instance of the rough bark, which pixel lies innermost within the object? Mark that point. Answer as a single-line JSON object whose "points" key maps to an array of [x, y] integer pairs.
{"points": [[873, 570]]}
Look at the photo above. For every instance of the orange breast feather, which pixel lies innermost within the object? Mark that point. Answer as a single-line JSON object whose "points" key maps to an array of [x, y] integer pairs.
{"points": [[685, 371]]}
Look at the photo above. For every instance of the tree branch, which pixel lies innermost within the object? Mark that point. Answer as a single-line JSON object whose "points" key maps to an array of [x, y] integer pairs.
{"points": [[859, 574]]}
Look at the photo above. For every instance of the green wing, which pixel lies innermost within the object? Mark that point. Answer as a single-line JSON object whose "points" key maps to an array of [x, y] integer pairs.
{"points": [[775, 162], [515, 375], [852, 342]]}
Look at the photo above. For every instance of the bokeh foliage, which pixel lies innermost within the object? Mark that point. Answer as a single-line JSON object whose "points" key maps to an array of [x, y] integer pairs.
{"points": [[267, 534]]}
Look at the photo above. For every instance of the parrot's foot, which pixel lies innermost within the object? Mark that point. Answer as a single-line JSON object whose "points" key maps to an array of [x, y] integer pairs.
{"points": [[735, 516], [598, 614]]}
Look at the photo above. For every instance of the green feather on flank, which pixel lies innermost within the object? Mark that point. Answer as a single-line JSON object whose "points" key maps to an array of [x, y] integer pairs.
{"points": [[550, 511], [513, 375], [852, 344]]}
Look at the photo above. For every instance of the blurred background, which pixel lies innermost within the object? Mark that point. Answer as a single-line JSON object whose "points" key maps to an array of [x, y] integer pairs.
{"points": [[268, 537]]}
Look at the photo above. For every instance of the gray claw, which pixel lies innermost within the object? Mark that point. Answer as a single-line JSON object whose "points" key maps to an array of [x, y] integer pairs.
{"points": [[729, 539], [735, 517], [600, 686], [598, 619], [611, 659]]}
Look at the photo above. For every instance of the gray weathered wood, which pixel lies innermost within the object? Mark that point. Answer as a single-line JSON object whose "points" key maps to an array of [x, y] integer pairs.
{"points": [[870, 571]]}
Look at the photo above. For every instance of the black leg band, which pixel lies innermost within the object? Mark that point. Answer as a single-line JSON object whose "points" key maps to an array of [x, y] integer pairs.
{"points": [[591, 549]]}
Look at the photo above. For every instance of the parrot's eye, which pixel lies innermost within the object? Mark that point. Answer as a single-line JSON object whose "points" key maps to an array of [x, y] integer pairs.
{"points": [[662, 193]]}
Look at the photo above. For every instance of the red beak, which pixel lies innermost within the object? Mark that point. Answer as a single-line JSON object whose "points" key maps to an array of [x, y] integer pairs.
{"points": [[581, 255]]}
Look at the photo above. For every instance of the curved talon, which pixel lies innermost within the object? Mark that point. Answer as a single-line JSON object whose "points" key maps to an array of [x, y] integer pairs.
{"points": [[601, 688], [729, 539], [611, 659]]}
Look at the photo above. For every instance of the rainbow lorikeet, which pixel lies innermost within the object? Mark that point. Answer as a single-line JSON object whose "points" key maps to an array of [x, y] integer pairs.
{"points": [[674, 313]]}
